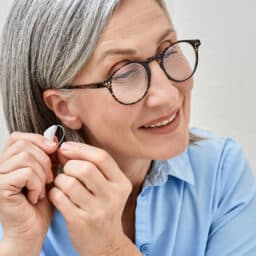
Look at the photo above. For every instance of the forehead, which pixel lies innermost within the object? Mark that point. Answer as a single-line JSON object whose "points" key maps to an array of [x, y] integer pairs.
{"points": [[134, 22]]}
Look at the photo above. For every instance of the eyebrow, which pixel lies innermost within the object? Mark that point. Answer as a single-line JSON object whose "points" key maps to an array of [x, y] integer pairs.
{"points": [[132, 51]]}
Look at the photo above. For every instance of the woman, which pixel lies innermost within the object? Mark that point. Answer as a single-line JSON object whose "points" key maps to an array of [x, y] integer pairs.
{"points": [[196, 197]]}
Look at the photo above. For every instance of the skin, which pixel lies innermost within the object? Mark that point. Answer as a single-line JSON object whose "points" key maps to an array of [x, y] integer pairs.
{"points": [[97, 192]]}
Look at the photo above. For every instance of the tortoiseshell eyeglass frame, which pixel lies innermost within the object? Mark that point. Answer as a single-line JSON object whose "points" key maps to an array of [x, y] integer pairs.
{"points": [[159, 57]]}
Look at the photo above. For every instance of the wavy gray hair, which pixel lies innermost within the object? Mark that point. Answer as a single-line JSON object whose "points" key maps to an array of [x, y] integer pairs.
{"points": [[44, 44]]}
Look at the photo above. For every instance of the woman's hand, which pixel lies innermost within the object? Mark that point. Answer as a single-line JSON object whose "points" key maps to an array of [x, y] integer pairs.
{"points": [[91, 195], [25, 169]]}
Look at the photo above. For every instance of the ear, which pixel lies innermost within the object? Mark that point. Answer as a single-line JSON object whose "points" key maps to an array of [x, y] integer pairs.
{"points": [[63, 107]]}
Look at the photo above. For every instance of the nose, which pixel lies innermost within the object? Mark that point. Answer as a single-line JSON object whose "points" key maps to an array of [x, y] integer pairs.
{"points": [[162, 91]]}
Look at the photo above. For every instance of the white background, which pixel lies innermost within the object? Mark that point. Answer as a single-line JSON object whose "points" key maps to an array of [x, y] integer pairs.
{"points": [[225, 89]]}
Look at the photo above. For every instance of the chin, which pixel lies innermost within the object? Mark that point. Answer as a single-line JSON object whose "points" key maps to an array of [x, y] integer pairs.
{"points": [[175, 148]]}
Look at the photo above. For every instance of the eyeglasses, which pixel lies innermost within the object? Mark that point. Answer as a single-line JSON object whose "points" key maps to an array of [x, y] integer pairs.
{"points": [[130, 83]]}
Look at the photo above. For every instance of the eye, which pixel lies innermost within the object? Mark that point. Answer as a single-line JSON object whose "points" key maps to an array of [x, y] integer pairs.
{"points": [[131, 71], [117, 66], [124, 75], [121, 63], [166, 45]]}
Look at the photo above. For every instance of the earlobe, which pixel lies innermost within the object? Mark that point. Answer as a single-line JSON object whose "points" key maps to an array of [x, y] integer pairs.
{"points": [[62, 108]]}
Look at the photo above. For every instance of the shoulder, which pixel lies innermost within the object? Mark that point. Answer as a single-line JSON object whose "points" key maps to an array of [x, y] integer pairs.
{"points": [[225, 190], [219, 163], [211, 140], [214, 148]]}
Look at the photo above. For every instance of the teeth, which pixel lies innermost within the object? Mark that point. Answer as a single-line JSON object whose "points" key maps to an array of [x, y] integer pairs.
{"points": [[165, 122]]}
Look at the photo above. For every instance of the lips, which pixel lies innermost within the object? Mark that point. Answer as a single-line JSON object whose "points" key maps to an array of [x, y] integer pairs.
{"points": [[155, 121]]}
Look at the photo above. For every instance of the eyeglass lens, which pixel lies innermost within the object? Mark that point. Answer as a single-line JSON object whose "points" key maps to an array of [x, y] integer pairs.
{"points": [[130, 82]]}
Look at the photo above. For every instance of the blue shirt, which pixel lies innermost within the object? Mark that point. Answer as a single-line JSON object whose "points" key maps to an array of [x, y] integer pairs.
{"points": [[201, 202]]}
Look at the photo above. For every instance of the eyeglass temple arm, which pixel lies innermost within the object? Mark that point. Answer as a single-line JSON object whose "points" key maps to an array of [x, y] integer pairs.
{"points": [[87, 86]]}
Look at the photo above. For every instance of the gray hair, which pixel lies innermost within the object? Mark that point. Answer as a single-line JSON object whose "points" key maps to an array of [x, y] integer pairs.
{"points": [[44, 44]]}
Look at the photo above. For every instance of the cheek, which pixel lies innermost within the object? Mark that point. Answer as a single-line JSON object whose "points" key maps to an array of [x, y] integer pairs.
{"points": [[186, 87], [107, 131], [103, 117]]}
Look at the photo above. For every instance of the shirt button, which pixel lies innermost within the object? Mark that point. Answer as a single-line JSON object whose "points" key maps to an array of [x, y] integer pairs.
{"points": [[143, 193], [144, 248]]}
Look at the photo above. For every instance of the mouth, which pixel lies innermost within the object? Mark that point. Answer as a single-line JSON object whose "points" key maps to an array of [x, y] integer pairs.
{"points": [[167, 125]]}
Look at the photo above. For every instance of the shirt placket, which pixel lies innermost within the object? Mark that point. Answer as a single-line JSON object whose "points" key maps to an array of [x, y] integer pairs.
{"points": [[143, 237]]}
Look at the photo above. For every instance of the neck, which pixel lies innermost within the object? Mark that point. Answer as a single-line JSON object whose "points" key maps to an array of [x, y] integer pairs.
{"points": [[135, 170], [136, 173]]}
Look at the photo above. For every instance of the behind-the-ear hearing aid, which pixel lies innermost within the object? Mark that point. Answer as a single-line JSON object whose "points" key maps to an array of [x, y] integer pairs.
{"points": [[50, 132]]}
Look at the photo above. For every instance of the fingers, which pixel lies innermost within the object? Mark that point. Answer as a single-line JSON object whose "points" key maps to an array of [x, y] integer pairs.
{"points": [[37, 139], [99, 157], [29, 154], [63, 204], [88, 175], [62, 158], [23, 160], [81, 182], [75, 191], [13, 182], [28, 151]]}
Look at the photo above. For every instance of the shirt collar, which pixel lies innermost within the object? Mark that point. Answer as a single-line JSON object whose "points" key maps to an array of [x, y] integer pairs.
{"points": [[178, 167]]}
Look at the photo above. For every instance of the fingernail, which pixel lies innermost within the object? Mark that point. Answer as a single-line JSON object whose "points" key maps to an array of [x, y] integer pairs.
{"points": [[42, 196], [34, 200], [49, 143], [65, 146], [51, 178]]}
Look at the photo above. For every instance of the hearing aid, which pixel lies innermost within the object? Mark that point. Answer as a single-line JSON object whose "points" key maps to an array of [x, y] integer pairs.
{"points": [[50, 132]]}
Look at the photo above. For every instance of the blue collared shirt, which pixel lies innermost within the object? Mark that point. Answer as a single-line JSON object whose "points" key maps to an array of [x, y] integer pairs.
{"points": [[201, 202]]}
